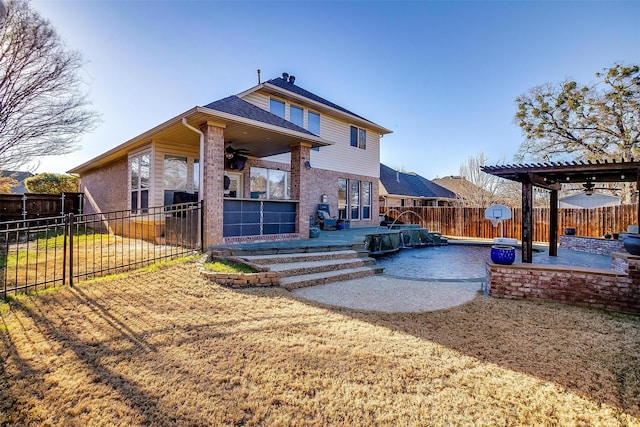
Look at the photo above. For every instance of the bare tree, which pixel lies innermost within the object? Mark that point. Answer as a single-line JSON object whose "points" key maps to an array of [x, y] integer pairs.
{"points": [[43, 110], [476, 188]]}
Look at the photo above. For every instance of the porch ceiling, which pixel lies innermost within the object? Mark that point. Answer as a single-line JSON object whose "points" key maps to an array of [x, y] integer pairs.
{"points": [[259, 139]]}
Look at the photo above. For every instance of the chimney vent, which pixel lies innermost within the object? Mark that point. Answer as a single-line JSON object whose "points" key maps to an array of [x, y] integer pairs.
{"points": [[285, 76], [397, 175], [292, 79]]}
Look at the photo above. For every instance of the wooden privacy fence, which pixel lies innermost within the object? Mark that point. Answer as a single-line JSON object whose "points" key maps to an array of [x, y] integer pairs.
{"points": [[470, 222], [15, 207]]}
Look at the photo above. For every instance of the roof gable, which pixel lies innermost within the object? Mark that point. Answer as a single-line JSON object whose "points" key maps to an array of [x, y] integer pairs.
{"points": [[412, 185]]}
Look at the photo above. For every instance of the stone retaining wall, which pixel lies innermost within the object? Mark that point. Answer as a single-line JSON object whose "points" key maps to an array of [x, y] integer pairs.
{"points": [[615, 290], [264, 277], [594, 245]]}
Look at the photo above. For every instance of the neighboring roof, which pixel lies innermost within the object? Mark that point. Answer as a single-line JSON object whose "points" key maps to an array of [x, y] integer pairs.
{"points": [[18, 176], [240, 107], [411, 185]]}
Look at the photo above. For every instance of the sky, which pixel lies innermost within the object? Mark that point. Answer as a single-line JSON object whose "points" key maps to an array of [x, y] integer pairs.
{"points": [[443, 76]]}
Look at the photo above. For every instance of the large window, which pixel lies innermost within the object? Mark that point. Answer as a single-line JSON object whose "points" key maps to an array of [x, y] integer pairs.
{"points": [[271, 184], [342, 198], [179, 174], [140, 173], [358, 137], [366, 200], [354, 199], [276, 107]]}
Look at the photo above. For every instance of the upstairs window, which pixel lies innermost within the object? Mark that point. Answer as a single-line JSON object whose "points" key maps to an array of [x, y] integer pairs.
{"points": [[276, 107], [313, 123], [296, 116], [358, 137]]}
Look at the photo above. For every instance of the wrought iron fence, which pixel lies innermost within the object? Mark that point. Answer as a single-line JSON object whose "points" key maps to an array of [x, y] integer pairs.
{"points": [[55, 251]]}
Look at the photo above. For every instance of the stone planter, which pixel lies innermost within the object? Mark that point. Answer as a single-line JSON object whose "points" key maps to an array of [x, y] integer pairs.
{"points": [[503, 254], [632, 243]]}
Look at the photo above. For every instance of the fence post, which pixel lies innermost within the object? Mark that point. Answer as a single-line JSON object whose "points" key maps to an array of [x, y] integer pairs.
{"points": [[61, 204], [71, 249], [65, 225]]}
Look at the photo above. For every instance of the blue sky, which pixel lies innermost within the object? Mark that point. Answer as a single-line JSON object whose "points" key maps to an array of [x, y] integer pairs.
{"points": [[443, 76]]}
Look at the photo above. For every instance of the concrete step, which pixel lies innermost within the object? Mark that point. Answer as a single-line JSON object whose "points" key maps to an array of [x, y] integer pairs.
{"points": [[288, 269], [241, 252], [268, 259], [322, 278]]}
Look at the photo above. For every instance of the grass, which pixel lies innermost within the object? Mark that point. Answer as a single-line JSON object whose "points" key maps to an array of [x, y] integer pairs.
{"points": [[168, 347], [224, 266]]}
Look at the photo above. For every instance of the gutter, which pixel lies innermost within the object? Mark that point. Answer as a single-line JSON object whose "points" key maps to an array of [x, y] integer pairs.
{"points": [[201, 159]]}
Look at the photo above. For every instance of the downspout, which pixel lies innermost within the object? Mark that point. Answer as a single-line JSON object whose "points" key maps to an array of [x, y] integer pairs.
{"points": [[201, 159], [201, 183]]}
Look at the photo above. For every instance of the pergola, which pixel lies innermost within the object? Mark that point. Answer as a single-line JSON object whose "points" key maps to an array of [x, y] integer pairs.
{"points": [[551, 176]]}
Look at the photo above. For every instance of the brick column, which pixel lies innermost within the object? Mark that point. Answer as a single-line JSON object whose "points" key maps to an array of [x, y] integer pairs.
{"points": [[301, 185], [213, 185]]}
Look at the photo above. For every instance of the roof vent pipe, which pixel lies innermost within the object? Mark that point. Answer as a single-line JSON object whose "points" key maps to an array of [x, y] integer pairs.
{"points": [[292, 79], [285, 76], [398, 176]]}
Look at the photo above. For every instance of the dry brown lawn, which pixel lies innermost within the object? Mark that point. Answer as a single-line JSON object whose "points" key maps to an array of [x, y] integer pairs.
{"points": [[170, 348]]}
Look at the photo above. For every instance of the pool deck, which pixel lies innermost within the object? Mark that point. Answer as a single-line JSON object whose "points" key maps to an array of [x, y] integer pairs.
{"points": [[354, 237]]}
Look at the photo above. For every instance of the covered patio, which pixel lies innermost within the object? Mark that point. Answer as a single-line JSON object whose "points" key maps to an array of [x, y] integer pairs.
{"points": [[551, 176]]}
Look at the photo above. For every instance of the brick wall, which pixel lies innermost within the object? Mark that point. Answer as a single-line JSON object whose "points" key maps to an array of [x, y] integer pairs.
{"points": [[592, 245], [615, 290], [106, 188]]}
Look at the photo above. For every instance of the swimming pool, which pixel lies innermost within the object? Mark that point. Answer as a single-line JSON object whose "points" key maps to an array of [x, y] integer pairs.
{"points": [[468, 262]]}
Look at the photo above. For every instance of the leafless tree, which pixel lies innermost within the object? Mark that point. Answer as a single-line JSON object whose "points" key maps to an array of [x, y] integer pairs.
{"points": [[476, 188], [43, 109]]}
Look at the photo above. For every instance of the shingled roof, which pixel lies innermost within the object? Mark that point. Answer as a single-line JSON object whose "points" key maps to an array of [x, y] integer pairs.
{"points": [[411, 185], [286, 85], [239, 107]]}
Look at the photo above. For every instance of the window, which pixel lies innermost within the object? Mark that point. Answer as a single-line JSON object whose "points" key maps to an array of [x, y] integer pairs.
{"points": [[174, 173], [366, 200], [354, 199], [358, 137], [140, 170], [270, 184], [277, 107], [313, 123], [196, 175], [296, 116], [342, 198]]}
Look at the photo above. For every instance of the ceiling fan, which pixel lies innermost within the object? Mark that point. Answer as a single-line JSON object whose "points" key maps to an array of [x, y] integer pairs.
{"points": [[236, 157], [589, 187], [230, 152]]}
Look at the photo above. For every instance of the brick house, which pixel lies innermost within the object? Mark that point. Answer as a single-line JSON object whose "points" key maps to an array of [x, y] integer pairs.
{"points": [[261, 161], [399, 189]]}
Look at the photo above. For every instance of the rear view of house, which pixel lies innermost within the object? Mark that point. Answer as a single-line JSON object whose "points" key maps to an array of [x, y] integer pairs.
{"points": [[260, 161]]}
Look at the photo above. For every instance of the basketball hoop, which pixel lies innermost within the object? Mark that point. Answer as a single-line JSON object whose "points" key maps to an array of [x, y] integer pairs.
{"points": [[495, 221]]}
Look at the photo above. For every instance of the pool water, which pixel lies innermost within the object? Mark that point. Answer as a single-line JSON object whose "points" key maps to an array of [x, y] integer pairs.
{"points": [[438, 262], [456, 262]]}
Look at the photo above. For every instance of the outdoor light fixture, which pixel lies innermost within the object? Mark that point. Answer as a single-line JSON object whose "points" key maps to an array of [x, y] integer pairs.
{"points": [[307, 164]]}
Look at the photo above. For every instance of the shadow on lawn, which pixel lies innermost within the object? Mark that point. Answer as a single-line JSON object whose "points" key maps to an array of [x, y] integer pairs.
{"points": [[593, 353]]}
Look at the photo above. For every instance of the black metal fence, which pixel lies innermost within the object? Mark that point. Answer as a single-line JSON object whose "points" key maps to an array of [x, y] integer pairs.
{"points": [[55, 251]]}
